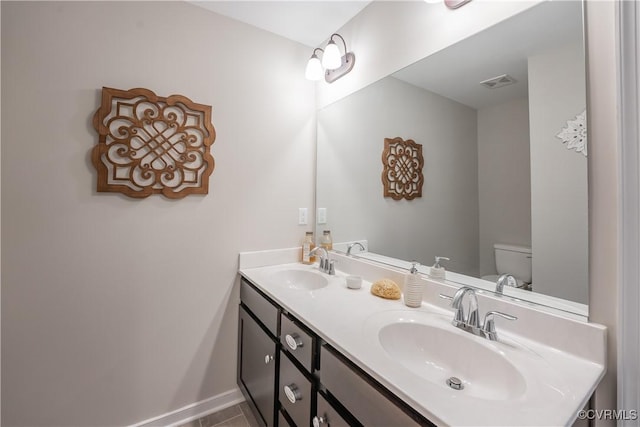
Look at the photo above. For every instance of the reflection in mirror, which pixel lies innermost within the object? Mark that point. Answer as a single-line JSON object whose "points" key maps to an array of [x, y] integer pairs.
{"points": [[505, 167]]}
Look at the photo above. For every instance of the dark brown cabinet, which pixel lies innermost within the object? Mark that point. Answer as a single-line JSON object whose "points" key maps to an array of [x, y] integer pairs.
{"points": [[291, 378]]}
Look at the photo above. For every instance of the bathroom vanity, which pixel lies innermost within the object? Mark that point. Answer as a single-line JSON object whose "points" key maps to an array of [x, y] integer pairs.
{"points": [[313, 352], [283, 363]]}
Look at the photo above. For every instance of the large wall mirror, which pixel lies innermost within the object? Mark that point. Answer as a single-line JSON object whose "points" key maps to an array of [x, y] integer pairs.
{"points": [[505, 162]]}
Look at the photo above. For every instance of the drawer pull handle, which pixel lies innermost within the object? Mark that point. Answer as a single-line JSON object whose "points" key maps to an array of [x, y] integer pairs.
{"points": [[319, 420], [293, 341], [267, 358], [292, 393]]}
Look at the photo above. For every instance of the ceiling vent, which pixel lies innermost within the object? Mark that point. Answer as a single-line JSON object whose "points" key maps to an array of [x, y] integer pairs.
{"points": [[500, 81]]}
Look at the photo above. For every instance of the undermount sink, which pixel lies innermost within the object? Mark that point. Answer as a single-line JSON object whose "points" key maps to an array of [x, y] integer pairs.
{"points": [[300, 279], [437, 354]]}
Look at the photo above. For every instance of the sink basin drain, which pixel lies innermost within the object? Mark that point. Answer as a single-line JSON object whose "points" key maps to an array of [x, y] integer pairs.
{"points": [[455, 383]]}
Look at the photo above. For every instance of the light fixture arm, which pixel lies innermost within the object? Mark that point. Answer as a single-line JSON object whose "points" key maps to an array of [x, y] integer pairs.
{"points": [[341, 38], [318, 48]]}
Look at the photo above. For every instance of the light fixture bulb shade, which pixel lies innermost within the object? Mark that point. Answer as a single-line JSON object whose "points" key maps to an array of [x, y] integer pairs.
{"points": [[314, 69], [331, 58]]}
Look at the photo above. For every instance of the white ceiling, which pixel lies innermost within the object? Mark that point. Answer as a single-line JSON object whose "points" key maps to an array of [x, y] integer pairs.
{"points": [[456, 72], [307, 22]]}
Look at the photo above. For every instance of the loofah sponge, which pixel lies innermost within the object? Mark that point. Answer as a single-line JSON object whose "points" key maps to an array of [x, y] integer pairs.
{"points": [[386, 288]]}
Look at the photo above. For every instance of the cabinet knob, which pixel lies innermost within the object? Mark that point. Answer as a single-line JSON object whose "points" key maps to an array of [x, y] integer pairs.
{"points": [[319, 420], [292, 393], [267, 358], [293, 341]]}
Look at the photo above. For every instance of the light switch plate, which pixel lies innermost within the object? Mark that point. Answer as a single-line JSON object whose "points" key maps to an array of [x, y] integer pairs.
{"points": [[302, 216], [322, 215]]}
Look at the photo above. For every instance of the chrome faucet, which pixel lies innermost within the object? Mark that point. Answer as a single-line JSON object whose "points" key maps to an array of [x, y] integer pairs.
{"points": [[354, 244], [326, 264], [505, 279], [460, 319], [470, 321]]}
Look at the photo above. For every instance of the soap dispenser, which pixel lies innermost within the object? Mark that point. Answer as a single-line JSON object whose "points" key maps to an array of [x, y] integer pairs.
{"points": [[307, 247], [413, 287], [437, 271], [326, 241]]}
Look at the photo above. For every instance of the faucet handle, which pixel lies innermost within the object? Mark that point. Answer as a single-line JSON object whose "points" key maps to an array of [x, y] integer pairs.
{"points": [[489, 327], [447, 297]]}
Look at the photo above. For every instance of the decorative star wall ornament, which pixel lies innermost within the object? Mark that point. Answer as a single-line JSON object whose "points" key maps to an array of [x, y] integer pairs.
{"points": [[575, 134]]}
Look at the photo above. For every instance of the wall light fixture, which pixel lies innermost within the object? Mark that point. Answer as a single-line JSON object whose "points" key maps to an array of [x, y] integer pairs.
{"points": [[314, 66], [333, 65]]}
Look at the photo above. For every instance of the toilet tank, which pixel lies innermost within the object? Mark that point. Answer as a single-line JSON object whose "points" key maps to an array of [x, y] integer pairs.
{"points": [[514, 260]]}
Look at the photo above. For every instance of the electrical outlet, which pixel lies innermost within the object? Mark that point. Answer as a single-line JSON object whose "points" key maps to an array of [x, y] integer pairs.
{"points": [[302, 216], [322, 215]]}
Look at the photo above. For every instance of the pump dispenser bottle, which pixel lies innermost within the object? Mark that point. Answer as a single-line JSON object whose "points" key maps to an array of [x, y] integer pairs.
{"points": [[307, 247], [437, 271], [413, 287], [326, 241]]}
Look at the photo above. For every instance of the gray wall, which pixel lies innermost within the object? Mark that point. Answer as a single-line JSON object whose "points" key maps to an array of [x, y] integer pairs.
{"points": [[504, 180], [116, 310], [603, 203], [558, 205], [444, 221]]}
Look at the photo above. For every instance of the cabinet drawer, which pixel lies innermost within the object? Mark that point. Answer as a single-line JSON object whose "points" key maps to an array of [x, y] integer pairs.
{"points": [[297, 342], [295, 392], [327, 416], [260, 306], [358, 396]]}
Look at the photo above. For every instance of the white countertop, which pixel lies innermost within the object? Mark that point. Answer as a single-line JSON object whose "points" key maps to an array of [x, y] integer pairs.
{"points": [[558, 382]]}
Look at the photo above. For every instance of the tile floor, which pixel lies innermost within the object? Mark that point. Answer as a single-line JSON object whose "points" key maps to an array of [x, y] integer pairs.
{"points": [[235, 416]]}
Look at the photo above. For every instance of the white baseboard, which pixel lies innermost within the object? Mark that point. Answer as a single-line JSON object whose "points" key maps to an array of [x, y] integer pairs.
{"points": [[195, 410]]}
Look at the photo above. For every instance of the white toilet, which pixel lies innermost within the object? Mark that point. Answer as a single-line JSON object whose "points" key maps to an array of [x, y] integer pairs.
{"points": [[514, 260]]}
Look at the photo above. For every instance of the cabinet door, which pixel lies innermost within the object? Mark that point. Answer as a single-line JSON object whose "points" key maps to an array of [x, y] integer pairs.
{"points": [[257, 366]]}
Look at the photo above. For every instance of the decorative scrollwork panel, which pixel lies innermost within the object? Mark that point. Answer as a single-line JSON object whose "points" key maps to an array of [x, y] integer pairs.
{"points": [[152, 145], [402, 169]]}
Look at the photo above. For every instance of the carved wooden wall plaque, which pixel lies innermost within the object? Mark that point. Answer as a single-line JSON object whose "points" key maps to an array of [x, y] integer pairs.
{"points": [[152, 145], [402, 169]]}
